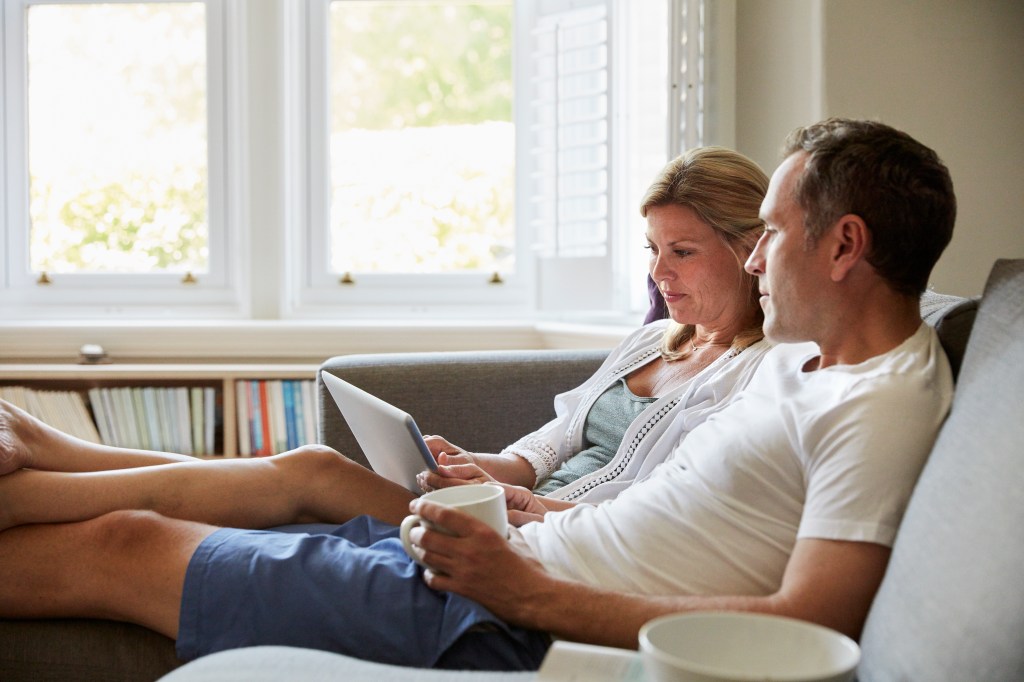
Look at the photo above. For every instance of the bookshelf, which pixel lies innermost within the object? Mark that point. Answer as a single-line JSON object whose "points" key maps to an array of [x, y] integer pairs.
{"points": [[224, 379]]}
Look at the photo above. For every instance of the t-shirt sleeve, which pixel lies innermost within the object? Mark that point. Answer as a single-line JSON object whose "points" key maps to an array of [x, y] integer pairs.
{"points": [[868, 451]]}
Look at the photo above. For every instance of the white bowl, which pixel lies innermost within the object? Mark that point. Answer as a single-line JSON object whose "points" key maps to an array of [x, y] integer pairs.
{"points": [[744, 647]]}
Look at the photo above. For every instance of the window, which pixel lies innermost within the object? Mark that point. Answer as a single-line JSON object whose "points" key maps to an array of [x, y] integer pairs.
{"points": [[411, 192], [338, 158], [424, 90], [116, 159], [576, 95]]}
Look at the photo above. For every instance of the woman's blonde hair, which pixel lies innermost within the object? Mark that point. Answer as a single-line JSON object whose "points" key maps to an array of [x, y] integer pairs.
{"points": [[725, 189]]}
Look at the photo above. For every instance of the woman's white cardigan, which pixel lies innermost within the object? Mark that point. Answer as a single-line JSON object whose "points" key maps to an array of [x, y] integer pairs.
{"points": [[653, 435]]}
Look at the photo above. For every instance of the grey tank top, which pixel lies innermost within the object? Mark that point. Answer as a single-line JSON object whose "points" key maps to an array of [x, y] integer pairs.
{"points": [[603, 430]]}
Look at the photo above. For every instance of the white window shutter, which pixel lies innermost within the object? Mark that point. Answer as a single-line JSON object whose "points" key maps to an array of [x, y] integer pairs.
{"points": [[570, 132], [687, 61]]}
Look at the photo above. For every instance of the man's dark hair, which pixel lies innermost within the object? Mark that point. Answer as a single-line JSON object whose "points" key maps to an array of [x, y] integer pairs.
{"points": [[898, 186]]}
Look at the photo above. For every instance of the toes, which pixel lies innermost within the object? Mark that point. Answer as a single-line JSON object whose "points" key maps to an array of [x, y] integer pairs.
{"points": [[12, 449]]}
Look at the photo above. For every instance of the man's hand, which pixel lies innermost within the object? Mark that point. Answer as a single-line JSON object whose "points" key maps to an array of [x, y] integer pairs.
{"points": [[477, 562]]}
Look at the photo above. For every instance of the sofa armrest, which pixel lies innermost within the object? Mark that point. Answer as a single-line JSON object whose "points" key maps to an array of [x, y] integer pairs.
{"points": [[276, 663], [480, 400]]}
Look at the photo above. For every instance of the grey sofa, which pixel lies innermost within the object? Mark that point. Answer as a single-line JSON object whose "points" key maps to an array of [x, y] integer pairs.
{"points": [[951, 606]]}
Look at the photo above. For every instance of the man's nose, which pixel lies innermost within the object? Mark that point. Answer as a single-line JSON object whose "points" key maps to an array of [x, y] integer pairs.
{"points": [[755, 262]]}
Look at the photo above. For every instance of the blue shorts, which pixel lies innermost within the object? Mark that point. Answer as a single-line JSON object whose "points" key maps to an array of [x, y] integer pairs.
{"points": [[352, 590]]}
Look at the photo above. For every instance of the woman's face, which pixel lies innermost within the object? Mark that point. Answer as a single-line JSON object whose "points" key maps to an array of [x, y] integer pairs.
{"points": [[699, 276]]}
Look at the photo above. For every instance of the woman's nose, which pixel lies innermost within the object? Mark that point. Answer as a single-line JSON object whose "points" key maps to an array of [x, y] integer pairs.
{"points": [[659, 271]]}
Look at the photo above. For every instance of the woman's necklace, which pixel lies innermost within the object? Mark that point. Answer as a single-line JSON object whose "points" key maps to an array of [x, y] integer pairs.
{"points": [[694, 347], [671, 373]]}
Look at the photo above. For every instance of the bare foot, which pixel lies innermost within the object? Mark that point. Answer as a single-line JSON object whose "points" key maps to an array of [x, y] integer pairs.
{"points": [[15, 427]]}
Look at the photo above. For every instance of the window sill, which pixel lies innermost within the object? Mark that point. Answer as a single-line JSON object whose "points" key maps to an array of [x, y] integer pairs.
{"points": [[252, 341]]}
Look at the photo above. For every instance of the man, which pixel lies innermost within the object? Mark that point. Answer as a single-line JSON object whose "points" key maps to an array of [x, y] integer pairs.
{"points": [[855, 217], [785, 502]]}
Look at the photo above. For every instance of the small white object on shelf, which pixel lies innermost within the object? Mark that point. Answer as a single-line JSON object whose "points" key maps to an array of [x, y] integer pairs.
{"points": [[92, 354]]}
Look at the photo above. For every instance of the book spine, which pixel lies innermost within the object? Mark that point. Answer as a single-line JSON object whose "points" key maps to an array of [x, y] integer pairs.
{"points": [[195, 404], [152, 411], [183, 421], [258, 421], [312, 409], [209, 420], [243, 411], [291, 431], [141, 421], [298, 413]]}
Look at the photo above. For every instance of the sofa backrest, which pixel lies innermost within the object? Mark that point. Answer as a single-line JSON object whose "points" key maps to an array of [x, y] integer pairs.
{"points": [[482, 400], [953, 318], [951, 606]]}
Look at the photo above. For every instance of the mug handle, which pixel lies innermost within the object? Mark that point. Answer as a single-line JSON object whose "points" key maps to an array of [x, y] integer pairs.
{"points": [[408, 523]]}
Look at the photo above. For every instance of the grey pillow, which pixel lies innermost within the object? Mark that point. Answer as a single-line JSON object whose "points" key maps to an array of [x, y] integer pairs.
{"points": [[951, 606]]}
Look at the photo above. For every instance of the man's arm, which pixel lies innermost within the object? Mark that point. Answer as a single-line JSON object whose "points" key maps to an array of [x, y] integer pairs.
{"points": [[827, 582]]}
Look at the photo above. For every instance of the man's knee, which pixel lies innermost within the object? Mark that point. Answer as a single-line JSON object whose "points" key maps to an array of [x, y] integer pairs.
{"points": [[315, 461], [124, 530]]}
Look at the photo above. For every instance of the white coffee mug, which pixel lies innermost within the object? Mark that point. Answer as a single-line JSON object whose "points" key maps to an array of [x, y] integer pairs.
{"points": [[484, 502]]}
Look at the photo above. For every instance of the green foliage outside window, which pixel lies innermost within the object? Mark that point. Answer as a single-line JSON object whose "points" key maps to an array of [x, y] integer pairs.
{"points": [[412, 64], [422, 141], [117, 137], [163, 230], [421, 137]]}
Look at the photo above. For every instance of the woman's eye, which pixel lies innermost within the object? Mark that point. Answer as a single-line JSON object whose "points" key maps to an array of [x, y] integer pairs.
{"points": [[683, 254]]}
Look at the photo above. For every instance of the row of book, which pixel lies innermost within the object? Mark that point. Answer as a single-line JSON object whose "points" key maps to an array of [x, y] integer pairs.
{"points": [[180, 419], [65, 410], [275, 415], [176, 419]]}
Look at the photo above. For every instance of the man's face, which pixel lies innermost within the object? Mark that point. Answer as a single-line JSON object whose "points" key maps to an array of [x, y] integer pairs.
{"points": [[789, 273]]}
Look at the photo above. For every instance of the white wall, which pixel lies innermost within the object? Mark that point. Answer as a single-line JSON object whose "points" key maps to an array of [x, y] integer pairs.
{"points": [[949, 72]]}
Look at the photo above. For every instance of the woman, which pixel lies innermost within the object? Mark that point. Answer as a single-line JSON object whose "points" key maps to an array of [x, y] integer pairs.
{"points": [[660, 382], [668, 376]]}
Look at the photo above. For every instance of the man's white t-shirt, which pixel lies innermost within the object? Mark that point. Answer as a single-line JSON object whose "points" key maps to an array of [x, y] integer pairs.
{"points": [[832, 453]]}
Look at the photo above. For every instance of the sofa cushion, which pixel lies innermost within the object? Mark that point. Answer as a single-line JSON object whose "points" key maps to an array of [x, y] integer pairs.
{"points": [[82, 650], [951, 606], [952, 317]]}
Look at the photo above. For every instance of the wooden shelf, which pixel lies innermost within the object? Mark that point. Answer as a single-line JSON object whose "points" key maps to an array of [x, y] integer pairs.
{"points": [[221, 376]]}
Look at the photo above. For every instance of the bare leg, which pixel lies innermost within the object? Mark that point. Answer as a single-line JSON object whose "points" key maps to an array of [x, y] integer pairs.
{"points": [[128, 566], [313, 483], [27, 442]]}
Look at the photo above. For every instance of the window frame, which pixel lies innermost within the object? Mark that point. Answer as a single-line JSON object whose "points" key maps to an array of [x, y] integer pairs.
{"points": [[314, 289], [215, 293]]}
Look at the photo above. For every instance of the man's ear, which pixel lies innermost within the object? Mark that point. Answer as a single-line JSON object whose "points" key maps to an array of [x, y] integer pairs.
{"points": [[851, 244]]}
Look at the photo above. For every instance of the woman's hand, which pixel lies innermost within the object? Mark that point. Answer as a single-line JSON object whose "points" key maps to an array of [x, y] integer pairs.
{"points": [[438, 445], [452, 469], [457, 466], [523, 506]]}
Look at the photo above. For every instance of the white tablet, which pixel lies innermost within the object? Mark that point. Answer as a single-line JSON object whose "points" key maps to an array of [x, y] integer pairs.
{"points": [[389, 437]]}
